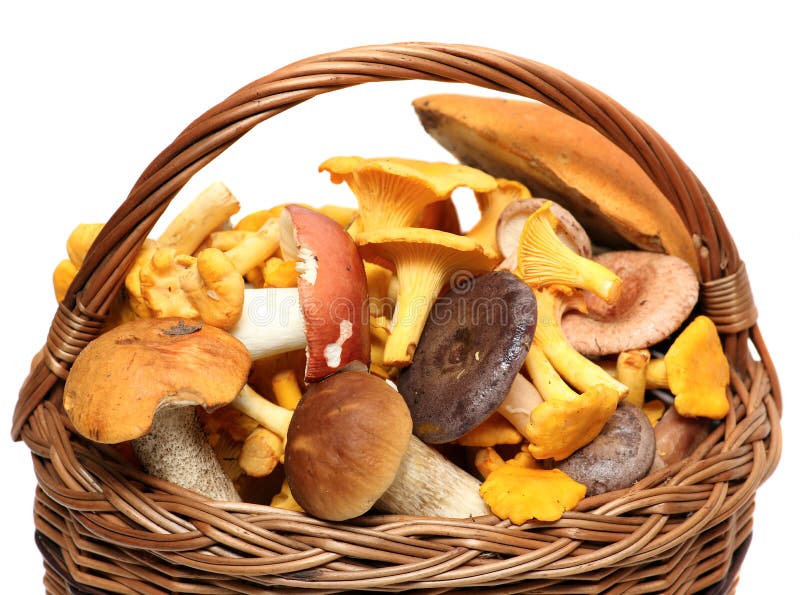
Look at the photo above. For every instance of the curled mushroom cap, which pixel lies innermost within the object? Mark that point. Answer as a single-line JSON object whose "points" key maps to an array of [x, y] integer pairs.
{"points": [[512, 220], [491, 204], [392, 192], [658, 293]]}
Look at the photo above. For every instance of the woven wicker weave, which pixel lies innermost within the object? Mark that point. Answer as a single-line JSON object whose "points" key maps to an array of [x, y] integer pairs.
{"points": [[103, 526]]}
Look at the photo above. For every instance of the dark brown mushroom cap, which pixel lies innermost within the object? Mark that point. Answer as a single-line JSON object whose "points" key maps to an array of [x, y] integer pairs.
{"points": [[474, 343], [122, 377], [620, 455], [345, 442], [658, 294]]}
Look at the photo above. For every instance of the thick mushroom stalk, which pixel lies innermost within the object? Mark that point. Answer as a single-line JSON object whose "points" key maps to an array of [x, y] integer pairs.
{"points": [[350, 449], [393, 192], [142, 380], [326, 313], [425, 261]]}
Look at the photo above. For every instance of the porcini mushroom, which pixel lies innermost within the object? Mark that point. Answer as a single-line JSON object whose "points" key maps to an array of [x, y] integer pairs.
{"points": [[392, 192], [350, 448], [468, 356], [658, 294], [326, 313], [141, 381], [424, 262]]}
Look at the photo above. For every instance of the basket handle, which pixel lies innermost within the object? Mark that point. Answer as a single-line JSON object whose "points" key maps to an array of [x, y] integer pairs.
{"points": [[79, 318]]}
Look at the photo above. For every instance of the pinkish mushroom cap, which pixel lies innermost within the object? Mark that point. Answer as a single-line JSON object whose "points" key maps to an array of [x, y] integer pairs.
{"points": [[658, 294]]}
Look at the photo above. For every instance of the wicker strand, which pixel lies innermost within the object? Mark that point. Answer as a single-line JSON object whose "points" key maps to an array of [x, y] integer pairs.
{"points": [[729, 302]]}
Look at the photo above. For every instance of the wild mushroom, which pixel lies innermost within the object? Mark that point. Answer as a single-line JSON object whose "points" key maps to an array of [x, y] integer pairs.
{"points": [[392, 192], [658, 294], [512, 220], [566, 420], [142, 380], [618, 457], [491, 204], [559, 157], [350, 448], [520, 490], [326, 313], [579, 371], [424, 261], [468, 356], [695, 370], [677, 436], [544, 260]]}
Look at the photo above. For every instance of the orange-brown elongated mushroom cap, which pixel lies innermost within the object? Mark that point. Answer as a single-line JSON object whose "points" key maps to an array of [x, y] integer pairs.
{"points": [[121, 378], [332, 286], [559, 157]]}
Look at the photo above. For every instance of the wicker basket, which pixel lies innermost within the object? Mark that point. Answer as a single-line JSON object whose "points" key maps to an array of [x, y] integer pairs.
{"points": [[104, 527]]}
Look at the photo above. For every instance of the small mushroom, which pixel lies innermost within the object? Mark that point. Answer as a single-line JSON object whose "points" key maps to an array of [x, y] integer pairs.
{"points": [[491, 205], [142, 380], [520, 490], [658, 294], [543, 260], [677, 436], [350, 448], [424, 261], [469, 353], [326, 313], [392, 192], [512, 220], [618, 457], [696, 370]]}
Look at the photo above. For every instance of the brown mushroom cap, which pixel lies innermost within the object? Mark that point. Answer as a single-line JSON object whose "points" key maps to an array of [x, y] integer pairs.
{"points": [[620, 455], [658, 294], [470, 351], [345, 443], [121, 378]]}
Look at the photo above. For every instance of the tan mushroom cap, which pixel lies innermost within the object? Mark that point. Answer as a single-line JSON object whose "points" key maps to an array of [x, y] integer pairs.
{"points": [[121, 378], [658, 294]]}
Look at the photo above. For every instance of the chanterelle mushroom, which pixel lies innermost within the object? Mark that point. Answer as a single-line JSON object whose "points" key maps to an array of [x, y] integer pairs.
{"points": [[392, 192], [141, 381], [424, 261]]}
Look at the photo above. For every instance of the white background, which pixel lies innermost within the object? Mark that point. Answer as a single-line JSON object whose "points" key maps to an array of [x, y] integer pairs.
{"points": [[91, 93]]}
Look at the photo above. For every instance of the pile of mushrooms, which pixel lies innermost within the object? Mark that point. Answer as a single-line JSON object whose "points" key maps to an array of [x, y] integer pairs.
{"points": [[337, 361]]}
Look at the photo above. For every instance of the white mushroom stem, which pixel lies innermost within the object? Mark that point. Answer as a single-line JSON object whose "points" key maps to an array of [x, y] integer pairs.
{"points": [[271, 322], [427, 484], [176, 450]]}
